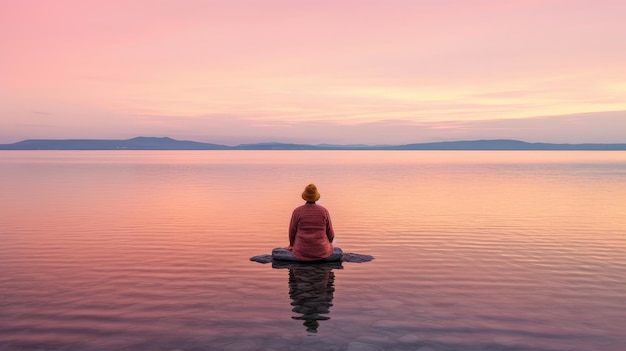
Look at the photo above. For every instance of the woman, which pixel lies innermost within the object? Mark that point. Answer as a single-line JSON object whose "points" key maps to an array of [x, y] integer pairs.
{"points": [[310, 232]]}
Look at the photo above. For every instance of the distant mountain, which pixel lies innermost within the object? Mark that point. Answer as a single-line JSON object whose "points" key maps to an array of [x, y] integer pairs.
{"points": [[349, 146], [274, 146], [152, 143], [504, 145], [139, 143]]}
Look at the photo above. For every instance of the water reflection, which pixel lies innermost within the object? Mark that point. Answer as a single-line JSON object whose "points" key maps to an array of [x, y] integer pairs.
{"points": [[311, 289]]}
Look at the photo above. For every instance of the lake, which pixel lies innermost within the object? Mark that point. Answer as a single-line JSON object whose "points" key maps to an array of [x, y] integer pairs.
{"points": [[474, 250]]}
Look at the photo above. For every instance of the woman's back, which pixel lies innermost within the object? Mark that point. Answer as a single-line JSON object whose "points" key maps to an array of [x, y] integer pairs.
{"points": [[311, 232]]}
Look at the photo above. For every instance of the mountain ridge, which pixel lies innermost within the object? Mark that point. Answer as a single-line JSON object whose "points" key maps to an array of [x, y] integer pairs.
{"points": [[167, 143]]}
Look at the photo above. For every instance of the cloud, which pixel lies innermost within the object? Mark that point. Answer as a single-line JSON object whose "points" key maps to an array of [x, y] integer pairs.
{"points": [[609, 127], [599, 127]]}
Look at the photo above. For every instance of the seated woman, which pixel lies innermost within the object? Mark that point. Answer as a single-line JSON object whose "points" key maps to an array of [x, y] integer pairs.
{"points": [[310, 233]]}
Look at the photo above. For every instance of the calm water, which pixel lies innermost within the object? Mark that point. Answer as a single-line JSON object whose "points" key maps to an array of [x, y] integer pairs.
{"points": [[138, 250]]}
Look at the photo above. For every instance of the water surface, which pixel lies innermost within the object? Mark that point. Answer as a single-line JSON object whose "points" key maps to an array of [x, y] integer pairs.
{"points": [[475, 250]]}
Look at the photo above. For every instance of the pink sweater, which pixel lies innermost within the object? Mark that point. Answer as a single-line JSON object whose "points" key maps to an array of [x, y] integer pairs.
{"points": [[311, 232]]}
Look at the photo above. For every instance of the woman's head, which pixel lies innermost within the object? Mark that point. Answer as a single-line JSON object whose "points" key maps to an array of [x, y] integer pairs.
{"points": [[310, 193]]}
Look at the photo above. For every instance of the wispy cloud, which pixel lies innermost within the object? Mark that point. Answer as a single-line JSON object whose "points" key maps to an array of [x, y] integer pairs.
{"points": [[576, 128]]}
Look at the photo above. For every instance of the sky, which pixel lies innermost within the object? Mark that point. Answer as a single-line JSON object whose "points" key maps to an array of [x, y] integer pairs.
{"points": [[339, 72]]}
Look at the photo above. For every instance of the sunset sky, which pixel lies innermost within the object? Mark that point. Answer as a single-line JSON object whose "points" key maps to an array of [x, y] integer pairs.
{"points": [[372, 72]]}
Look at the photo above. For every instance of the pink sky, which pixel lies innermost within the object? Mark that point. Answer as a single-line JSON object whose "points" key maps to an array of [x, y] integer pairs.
{"points": [[373, 72]]}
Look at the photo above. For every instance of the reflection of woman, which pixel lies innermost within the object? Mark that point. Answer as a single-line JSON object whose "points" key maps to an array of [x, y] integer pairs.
{"points": [[311, 290], [310, 232]]}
